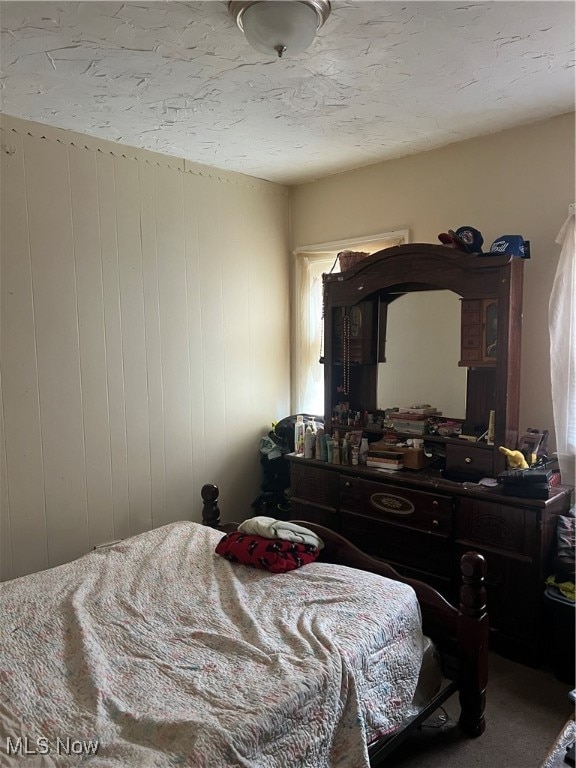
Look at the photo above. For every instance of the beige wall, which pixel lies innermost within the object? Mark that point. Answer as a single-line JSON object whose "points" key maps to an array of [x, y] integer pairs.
{"points": [[144, 340], [144, 317], [519, 181]]}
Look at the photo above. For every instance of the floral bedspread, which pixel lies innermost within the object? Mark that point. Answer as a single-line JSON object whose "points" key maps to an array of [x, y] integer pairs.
{"points": [[158, 652]]}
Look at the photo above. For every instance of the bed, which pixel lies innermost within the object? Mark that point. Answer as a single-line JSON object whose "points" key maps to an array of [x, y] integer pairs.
{"points": [[156, 651]]}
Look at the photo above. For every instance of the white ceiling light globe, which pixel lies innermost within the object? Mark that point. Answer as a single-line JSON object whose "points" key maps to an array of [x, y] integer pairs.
{"points": [[277, 27]]}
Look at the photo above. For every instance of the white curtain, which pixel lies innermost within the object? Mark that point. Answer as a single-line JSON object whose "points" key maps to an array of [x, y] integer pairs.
{"points": [[307, 373], [562, 319], [311, 384]]}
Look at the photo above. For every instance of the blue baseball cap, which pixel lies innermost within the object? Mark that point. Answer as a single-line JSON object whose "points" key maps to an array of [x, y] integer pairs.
{"points": [[510, 245], [466, 239]]}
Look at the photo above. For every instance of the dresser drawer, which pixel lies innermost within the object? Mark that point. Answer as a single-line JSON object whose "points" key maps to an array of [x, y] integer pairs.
{"points": [[498, 527], [470, 459], [418, 510], [308, 512], [513, 595], [313, 484], [420, 550]]}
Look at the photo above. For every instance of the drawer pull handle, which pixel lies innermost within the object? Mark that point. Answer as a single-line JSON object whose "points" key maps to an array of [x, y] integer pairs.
{"points": [[435, 503], [347, 484], [395, 505], [468, 460], [435, 524]]}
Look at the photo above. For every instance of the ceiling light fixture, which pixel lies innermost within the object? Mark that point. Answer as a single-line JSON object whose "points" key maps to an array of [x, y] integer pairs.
{"points": [[276, 27]]}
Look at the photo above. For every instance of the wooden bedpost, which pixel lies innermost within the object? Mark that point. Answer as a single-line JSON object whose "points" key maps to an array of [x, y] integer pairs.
{"points": [[473, 630], [210, 510]]}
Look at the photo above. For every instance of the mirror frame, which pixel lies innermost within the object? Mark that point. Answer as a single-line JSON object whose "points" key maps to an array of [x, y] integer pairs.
{"points": [[421, 267]]}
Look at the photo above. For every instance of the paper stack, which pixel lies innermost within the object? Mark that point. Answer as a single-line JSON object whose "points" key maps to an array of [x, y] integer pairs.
{"points": [[384, 459]]}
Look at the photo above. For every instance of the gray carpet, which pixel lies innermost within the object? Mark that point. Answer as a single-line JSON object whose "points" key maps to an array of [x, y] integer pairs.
{"points": [[526, 709]]}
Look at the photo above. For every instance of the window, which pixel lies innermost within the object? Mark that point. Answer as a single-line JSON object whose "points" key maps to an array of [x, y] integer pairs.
{"points": [[311, 262]]}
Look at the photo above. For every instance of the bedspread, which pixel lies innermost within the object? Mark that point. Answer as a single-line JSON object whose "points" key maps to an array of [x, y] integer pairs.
{"points": [[158, 652]]}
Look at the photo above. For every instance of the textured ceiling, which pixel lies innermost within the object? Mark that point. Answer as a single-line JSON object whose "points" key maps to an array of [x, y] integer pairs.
{"points": [[382, 79]]}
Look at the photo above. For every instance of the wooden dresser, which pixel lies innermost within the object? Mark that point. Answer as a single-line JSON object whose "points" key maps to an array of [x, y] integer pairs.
{"points": [[422, 520], [422, 524]]}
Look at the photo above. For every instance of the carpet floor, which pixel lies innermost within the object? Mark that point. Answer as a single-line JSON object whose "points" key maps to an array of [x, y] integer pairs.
{"points": [[526, 710]]}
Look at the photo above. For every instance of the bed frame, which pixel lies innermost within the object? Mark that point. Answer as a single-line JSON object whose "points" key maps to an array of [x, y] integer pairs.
{"points": [[459, 633]]}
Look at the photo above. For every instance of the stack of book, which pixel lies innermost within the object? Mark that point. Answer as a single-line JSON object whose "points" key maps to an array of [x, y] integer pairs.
{"points": [[384, 460]]}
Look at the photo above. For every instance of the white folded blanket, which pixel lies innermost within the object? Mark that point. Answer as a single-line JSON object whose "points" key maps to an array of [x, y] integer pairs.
{"points": [[270, 528]]}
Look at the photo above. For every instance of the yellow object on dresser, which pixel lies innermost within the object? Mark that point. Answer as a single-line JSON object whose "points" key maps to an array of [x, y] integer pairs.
{"points": [[515, 459]]}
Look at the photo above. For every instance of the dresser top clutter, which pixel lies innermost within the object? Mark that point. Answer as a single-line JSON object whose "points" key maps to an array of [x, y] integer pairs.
{"points": [[415, 483]]}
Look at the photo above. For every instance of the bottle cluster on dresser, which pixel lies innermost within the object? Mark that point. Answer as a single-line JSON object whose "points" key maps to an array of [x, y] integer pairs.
{"points": [[311, 442], [414, 419]]}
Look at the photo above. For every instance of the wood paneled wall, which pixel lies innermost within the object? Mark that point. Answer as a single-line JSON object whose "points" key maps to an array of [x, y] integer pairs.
{"points": [[144, 340]]}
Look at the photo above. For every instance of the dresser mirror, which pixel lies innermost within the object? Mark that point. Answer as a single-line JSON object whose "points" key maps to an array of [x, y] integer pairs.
{"points": [[422, 352], [414, 324]]}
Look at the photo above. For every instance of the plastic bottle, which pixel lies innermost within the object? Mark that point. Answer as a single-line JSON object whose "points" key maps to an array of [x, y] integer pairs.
{"points": [[318, 451], [336, 452], [345, 452], [299, 436], [309, 442], [324, 447], [363, 450], [329, 449]]}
